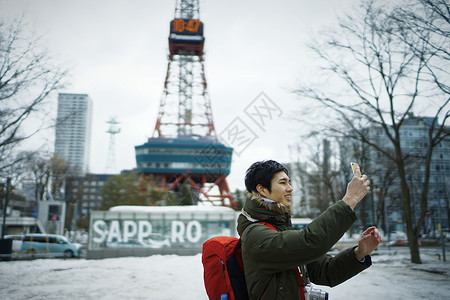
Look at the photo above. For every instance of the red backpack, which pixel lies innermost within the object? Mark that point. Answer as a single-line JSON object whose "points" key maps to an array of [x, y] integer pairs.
{"points": [[223, 270]]}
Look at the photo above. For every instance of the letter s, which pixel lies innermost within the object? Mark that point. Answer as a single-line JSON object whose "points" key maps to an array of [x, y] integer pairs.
{"points": [[100, 228]]}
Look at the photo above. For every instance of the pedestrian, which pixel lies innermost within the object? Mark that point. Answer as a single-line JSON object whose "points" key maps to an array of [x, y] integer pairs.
{"points": [[272, 258]]}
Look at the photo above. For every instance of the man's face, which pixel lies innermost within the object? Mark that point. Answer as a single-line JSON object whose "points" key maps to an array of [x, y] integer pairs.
{"points": [[281, 189]]}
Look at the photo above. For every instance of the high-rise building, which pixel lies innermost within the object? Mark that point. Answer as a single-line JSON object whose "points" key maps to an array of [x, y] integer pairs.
{"points": [[73, 131]]}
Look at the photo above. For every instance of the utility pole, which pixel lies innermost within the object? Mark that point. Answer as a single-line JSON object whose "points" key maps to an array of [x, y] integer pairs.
{"points": [[440, 231], [8, 187]]}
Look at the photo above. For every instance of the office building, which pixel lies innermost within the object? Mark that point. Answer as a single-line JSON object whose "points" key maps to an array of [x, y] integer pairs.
{"points": [[86, 192], [414, 137]]}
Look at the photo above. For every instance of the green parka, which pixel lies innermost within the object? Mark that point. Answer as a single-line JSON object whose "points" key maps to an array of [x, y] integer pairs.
{"points": [[271, 257]]}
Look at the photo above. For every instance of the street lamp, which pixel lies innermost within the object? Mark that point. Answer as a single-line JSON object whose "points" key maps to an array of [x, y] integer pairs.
{"points": [[377, 190]]}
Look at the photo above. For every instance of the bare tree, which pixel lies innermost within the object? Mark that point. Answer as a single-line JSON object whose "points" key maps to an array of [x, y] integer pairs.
{"points": [[60, 170], [46, 171], [428, 21], [318, 173], [38, 166], [379, 72], [386, 175], [74, 200], [27, 78]]}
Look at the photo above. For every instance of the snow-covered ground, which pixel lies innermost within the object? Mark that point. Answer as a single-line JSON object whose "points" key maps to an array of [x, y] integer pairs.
{"points": [[392, 276]]}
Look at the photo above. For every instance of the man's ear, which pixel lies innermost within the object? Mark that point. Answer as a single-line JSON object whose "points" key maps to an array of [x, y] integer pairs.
{"points": [[261, 190]]}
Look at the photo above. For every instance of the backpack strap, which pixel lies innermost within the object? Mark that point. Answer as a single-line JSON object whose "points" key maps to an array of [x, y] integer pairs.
{"points": [[268, 225]]}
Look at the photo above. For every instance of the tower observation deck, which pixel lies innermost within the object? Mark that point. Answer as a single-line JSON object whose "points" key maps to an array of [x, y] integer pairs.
{"points": [[184, 147]]}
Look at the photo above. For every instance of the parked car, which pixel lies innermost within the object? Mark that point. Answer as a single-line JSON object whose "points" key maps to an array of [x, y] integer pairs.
{"points": [[155, 241], [300, 223], [128, 244], [398, 238], [50, 243], [16, 241]]}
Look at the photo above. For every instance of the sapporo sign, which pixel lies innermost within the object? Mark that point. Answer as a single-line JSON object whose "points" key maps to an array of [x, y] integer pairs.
{"points": [[125, 231], [159, 227]]}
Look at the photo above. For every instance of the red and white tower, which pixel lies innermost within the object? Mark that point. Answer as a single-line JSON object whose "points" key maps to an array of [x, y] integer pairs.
{"points": [[184, 147]]}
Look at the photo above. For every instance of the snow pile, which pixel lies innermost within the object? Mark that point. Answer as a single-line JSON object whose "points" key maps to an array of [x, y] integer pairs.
{"points": [[393, 276], [180, 277]]}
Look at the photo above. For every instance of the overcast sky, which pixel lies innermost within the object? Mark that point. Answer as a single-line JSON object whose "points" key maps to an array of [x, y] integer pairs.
{"points": [[118, 50]]}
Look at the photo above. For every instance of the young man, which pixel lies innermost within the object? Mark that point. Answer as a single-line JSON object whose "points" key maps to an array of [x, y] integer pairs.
{"points": [[271, 258]]}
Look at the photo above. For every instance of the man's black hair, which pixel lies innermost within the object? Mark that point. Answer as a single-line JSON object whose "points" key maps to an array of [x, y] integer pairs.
{"points": [[262, 172]]}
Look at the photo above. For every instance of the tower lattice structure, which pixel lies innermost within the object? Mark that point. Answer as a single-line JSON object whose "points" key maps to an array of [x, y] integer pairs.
{"points": [[184, 148]]}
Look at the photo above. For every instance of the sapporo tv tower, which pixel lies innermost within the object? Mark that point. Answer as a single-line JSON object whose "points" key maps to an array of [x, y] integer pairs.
{"points": [[184, 148]]}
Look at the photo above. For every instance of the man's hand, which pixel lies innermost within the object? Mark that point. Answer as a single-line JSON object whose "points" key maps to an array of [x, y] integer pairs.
{"points": [[368, 242], [357, 188]]}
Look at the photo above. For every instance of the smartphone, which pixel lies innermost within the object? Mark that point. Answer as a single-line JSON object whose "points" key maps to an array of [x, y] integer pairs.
{"points": [[354, 166]]}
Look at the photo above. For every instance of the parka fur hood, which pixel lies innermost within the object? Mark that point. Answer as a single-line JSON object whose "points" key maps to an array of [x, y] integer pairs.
{"points": [[276, 207], [258, 210]]}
